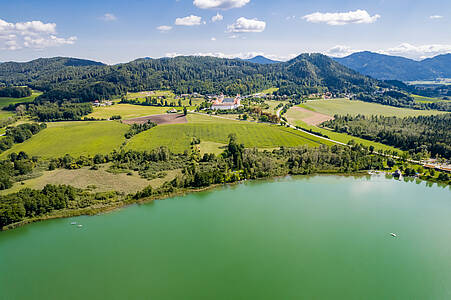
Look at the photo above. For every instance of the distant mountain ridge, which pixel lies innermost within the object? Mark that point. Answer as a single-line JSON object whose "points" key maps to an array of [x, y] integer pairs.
{"points": [[259, 59], [65, 78], [387, 67]]}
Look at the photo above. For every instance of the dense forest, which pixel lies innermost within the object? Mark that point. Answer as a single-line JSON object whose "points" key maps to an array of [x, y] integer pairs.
{"points": [[421, 134], [15, 92], [61, 80]]}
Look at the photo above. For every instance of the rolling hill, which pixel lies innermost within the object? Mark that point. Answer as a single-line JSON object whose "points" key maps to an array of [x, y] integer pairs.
{"points": [[386, 67]]}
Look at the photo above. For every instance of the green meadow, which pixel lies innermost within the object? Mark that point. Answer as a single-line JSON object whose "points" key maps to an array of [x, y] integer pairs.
{"points": [[126, 111], [423, 99], [344, 138], [5, 101], [215, 132], [74, 138], [354, 107]]}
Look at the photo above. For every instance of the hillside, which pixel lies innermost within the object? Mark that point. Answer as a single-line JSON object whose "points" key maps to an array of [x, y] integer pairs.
{"points": [[259, 59], [386, 67], [66, 78]]}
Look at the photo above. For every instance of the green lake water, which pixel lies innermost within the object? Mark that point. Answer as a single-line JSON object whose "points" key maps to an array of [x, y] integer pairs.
{"points": [[323, 237]]}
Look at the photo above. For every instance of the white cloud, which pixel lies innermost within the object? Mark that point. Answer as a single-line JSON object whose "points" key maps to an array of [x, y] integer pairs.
{"points": [[340, 51], [247, 25], [33, 34], [220, 4], [418, 52], [217, 18], [45, 42], [352, 17], [109, 17], [213, 39], [404, 49], [164, 28], [191, 20], [435, 17]]}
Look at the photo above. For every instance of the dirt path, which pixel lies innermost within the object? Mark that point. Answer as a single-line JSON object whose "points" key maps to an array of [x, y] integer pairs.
{"points": [[314, 118], [159, 119]]}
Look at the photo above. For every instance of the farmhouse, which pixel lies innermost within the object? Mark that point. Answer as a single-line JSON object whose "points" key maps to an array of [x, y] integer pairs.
{"points": [[222, 103]]}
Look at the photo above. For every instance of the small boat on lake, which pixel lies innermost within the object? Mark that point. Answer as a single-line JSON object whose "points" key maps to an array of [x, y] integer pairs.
{"points": [[73, 223], [393, 234], [79, 226]]}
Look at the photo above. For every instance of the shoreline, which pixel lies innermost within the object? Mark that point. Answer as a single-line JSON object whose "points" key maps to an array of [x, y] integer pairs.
{"points": [[93, 211]]}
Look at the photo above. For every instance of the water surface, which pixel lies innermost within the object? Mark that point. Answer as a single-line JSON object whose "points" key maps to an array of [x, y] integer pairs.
{"points": [[324, 237]]}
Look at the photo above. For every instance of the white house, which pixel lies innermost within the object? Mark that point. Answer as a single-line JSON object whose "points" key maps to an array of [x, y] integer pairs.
{"points": [[222, 103]]}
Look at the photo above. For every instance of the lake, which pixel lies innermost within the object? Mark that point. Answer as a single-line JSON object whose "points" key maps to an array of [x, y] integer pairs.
{"points": [[321, 237]]}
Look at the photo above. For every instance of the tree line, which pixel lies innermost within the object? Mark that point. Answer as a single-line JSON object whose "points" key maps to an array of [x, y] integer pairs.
{"points": [[15, 92], [427, 135]]}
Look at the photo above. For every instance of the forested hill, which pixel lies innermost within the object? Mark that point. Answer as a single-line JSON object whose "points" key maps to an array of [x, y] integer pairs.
{"points": [[259, 59], [388, 67], [64, 78]]}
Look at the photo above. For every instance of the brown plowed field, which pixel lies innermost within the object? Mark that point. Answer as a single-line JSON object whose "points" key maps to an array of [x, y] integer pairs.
{"points": [[313, 118]]}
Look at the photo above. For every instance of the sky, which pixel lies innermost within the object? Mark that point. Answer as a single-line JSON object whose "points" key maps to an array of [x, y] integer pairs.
{"points": [[118, 31]]}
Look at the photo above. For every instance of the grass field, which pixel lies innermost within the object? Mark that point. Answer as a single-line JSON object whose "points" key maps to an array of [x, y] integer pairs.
{"points": [[7, 101], [344, 138], [126, 111], [4, 101], [96, 180], [74, 138], [178, 137], [344, 107], [422, 99], [270, 91]]}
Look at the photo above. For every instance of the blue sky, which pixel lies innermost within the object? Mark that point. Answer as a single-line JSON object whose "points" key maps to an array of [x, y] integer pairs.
{"points": [[119, 31]]}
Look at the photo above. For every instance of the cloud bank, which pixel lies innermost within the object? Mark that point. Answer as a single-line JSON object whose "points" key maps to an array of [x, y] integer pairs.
{"points": [[32, 34], [404, 50]]}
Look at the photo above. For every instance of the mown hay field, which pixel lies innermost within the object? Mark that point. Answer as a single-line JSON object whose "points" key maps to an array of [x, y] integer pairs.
{"points": [[126, 111]]}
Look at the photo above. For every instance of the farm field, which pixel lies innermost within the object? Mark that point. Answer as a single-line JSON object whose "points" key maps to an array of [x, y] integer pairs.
{"points": [[341, 137], [178, 137], [95, 180], [423, 99], [74, 138], [126, 111], [354, 107]]}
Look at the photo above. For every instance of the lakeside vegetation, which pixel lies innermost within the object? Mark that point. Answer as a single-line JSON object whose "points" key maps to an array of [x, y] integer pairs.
{"points": [[234, 164]]}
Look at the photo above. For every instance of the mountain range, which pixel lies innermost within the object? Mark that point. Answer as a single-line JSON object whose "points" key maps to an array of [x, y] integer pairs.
{"points": [[83, 79], [387, 67]]}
